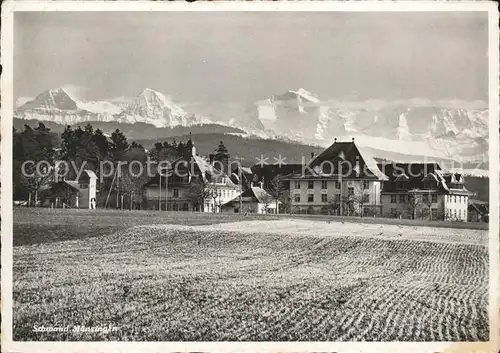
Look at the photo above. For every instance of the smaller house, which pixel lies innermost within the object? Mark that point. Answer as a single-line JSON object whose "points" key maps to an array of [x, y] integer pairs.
{"points": [[79, 193], [477, 211], [252, 200]]}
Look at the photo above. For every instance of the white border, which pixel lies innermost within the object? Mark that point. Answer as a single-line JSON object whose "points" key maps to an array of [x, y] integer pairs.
{"points": [[9, 7]]}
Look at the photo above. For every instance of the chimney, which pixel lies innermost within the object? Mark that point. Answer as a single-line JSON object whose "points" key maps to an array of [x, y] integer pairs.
{"points": [[353, 140], [335, 140]]}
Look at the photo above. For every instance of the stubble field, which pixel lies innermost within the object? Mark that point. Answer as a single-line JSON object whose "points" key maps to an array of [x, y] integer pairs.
{"points": [[223, 279]]}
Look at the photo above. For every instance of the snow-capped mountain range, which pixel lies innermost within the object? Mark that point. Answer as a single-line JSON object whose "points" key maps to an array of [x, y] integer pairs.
{"points": [[152, 107], [413, 127]]}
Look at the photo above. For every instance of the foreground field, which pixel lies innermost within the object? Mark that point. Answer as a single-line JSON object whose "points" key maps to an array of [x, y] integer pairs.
{"points": [[257, 280]]}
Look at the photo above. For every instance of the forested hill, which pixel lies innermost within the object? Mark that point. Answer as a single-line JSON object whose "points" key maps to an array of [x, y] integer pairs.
{"points": [[137, 131], [250, 149]]}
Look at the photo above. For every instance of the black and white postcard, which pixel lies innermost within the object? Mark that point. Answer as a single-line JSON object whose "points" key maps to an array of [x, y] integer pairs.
{"points": [[249, 176]]}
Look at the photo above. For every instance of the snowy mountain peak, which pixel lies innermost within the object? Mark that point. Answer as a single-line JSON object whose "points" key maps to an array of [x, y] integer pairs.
{"points": [[150, 106], [301, 95], [56, 98], [306, 95]]}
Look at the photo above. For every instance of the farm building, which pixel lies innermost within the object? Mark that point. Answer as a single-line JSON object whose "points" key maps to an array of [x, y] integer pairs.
{"points": [[253, 200], [478, 211], [194, 185], [79, 193]]}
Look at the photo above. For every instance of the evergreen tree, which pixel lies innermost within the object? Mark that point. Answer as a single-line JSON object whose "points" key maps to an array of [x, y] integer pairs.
{"points": [[119, 144], [221, 154], [101, 143]]}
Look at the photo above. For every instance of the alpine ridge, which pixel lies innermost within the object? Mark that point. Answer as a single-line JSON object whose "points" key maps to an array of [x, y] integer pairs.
{"points": [[415, 126]]}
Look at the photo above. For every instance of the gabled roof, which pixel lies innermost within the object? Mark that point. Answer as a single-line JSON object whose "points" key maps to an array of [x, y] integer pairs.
{"points": [[253, 194], [349, 151]]}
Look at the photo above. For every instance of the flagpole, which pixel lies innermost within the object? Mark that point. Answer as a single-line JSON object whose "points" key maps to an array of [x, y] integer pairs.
{"points": [[341, 195], [159, 198], [166, 191]]}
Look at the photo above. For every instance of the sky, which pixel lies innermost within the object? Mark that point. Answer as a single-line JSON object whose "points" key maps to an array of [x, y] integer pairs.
{"points": [[249, 56]]}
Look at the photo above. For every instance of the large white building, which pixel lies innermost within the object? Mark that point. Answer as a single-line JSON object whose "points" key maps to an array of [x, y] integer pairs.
{"points": [[346, 179]]}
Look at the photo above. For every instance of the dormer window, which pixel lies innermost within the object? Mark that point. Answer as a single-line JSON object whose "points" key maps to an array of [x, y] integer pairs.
{"points": [[430, 181], [402, 182]]}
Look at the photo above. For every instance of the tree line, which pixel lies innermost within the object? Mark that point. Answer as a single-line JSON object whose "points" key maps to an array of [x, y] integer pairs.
{"points": [[84, 148]]}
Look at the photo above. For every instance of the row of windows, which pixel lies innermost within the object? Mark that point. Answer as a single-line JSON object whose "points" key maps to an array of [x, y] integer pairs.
{"points": [[403, 198], [455, 214], [224, 193], [455, 198], [324, 198], [324, 184]]}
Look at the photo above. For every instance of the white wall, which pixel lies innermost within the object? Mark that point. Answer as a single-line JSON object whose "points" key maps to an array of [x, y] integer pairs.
{"points": [[455, 207], [373, 191]]}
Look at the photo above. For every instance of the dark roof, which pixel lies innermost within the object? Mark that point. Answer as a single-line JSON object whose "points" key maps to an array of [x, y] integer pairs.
{"points": [[480, 207], [347, 159], [414, 176], [268, 172]]}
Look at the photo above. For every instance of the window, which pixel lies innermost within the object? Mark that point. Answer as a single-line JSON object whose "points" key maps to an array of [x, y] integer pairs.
{"points": [[366, 198], [310, 184], [310, 198], [176, 192], [337, 185], [350, 191], [454, 198], [297, 198], [459, 214], [324, 198], [297, 184], [366, 184], [434, 213], [324, 184], [394, 199], [425, 198], [454, 213], [434, 198], [402, 198]]}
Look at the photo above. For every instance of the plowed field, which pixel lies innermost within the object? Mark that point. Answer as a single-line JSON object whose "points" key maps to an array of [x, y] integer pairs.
{"points": [[273, 280]]}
